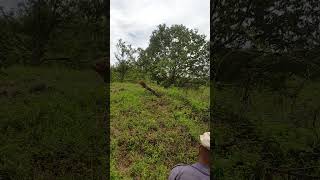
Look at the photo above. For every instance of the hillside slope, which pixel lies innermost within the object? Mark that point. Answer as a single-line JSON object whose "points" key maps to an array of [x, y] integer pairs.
{"points": [[51, 124], [149, 135]]}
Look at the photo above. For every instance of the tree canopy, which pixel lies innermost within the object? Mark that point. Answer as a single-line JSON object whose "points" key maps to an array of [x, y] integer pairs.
{"points": [[41, 30], [276, 25], [283, 35], [176, 55]]}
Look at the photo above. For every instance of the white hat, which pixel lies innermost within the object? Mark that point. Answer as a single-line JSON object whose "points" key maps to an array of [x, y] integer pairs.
{"points": [[205, 140]]}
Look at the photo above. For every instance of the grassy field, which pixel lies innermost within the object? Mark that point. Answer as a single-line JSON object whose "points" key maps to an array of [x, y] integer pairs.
{"points": [[51, 124], [273, 132], [149, 135]]}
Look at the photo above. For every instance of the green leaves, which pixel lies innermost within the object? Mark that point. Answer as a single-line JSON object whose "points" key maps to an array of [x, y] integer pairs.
{"points": [[125, 56], [276, 25], [176, 53]]}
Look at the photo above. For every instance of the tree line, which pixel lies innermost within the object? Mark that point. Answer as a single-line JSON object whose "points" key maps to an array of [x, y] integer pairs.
{"points": [[40, 31], [175, 56]]}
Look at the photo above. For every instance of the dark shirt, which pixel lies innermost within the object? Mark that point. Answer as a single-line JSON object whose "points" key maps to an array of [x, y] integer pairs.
{"points": [[195, 171]]}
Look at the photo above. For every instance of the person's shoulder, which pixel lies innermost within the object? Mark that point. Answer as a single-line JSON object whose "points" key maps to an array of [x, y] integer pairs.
{"points": [[179, 167], [188, 172], [176, 171]]}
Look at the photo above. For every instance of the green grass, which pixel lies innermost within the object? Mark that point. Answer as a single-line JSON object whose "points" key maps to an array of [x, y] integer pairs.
{"points": [[271, 134], [51, 126], [149, 135], [54, 131]]}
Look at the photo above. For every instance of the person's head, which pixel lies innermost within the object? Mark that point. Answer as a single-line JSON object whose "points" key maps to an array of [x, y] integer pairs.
{"points": [[204, 149]]}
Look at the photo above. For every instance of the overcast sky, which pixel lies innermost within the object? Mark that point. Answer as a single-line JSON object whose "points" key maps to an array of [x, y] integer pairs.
{"points": [[134, 20], [8, 4]]}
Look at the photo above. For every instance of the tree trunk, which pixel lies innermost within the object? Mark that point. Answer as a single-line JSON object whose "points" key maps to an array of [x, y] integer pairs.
{"points": [[171, 79]]}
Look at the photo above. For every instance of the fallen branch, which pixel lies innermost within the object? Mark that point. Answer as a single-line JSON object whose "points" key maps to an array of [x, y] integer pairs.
{"points": [[144, 85]]}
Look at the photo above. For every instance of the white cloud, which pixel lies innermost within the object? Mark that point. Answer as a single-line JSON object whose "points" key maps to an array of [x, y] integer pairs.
{"points": [[134, 20]]}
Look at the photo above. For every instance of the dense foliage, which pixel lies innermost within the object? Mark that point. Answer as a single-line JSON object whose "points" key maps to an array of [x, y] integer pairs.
{"points": [[265, 59], [52, 109], [176, 56], [73, 32]]}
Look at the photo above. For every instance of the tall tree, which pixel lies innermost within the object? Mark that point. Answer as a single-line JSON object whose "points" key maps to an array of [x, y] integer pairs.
{"points": [[176, 55], [41, 30], [125, 56], [35, 21]]}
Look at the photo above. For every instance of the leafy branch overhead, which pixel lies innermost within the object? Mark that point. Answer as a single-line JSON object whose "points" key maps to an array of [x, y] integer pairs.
{"points": [[277, 38], [275, 25]]}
